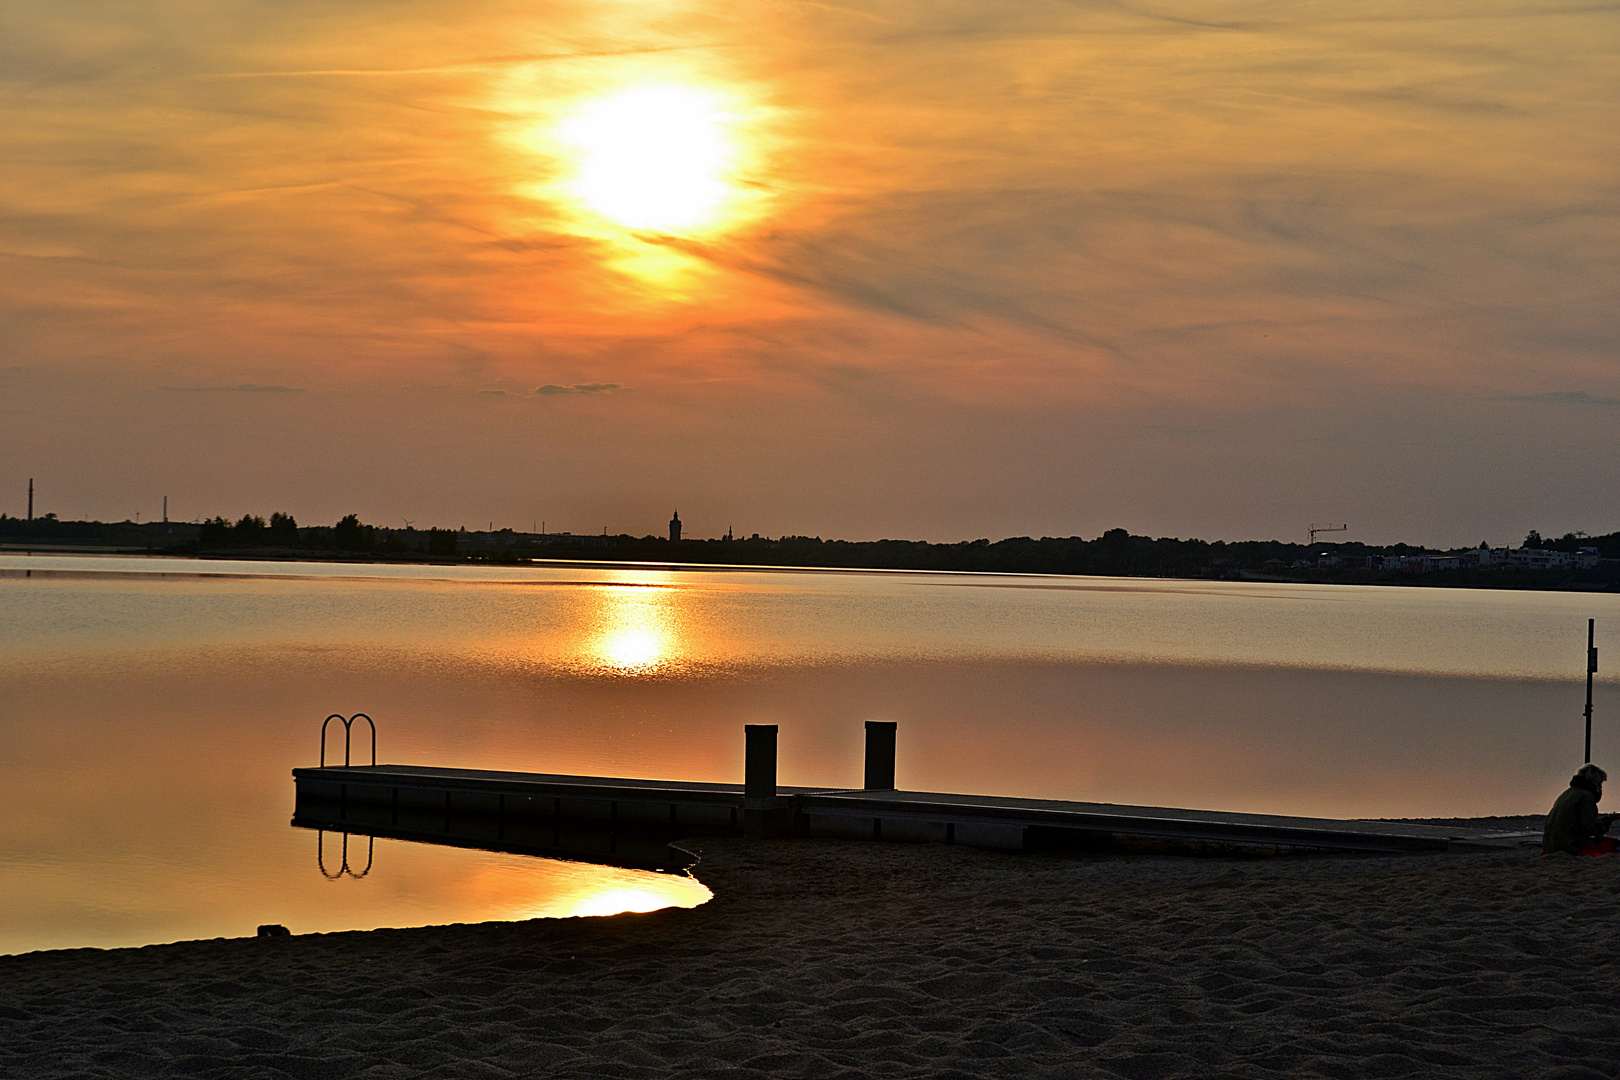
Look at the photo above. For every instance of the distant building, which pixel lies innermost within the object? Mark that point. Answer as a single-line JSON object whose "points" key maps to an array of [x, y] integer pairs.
{"points": [[1544, 559], [1541, 558], [675, 528]]}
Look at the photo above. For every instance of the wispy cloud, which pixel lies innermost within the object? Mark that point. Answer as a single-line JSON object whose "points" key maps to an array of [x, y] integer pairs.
{"points": [[552, 389], [239, 388], [1568, 397], [477, 65]]}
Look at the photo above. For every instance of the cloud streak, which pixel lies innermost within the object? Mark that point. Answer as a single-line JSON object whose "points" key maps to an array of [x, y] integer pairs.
{"points": [[1568, 397], [240, 388], [553, 390]]}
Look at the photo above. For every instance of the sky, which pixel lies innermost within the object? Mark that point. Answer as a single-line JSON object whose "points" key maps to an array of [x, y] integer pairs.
{"points": [[934, 270]]}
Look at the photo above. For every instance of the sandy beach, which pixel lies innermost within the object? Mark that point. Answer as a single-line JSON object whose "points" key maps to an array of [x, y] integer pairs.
{"points": [[820, 959]]}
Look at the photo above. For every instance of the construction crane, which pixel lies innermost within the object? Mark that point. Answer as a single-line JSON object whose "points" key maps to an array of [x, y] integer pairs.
{"points": [[1315, 529]]}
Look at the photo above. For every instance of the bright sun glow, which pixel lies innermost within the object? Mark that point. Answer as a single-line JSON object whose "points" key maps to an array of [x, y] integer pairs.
{"points": [[654, 158]]}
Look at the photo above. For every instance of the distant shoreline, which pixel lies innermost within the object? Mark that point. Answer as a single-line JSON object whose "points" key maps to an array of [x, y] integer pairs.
{"points": [[1601, 581], [1570, 563]]}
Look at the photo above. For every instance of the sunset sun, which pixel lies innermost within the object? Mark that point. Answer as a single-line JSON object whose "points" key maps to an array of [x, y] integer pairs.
{"points": [[654, 158]]}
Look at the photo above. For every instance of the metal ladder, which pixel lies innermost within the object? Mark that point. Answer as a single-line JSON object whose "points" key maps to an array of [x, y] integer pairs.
{"points": [[348, 734]]}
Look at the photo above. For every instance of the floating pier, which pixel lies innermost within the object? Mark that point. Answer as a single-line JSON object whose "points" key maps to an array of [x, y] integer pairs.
{"points": [[633, 822]]}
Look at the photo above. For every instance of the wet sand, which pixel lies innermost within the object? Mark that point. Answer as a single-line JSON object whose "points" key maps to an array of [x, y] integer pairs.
{"points": [[820, 959]]}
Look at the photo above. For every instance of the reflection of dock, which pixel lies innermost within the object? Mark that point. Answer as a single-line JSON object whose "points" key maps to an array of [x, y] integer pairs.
{"points": [[633, 822]]}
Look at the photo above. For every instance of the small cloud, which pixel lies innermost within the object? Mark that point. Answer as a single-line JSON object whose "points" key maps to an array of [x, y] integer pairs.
{"points": [[240, 388], [493, 393], [551, 389], [1568, 397]]}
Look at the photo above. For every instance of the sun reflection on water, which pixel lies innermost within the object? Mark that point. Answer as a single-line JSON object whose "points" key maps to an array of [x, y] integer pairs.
{"points": [[635, 648], [616, 899], [637, 632]]}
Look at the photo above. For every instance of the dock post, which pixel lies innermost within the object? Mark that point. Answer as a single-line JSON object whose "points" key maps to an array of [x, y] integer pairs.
{"points": [[760, 805], [880, 755], [759, 770]]}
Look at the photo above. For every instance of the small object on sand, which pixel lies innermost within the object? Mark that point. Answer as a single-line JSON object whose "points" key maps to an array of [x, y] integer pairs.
{"points": [[274, 930]]}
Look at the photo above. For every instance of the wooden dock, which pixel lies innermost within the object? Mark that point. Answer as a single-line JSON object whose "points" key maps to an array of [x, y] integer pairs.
{"points": [[634, 822]]}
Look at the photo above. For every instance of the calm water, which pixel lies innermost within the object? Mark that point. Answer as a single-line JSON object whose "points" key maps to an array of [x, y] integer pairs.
{"points": [[152, 710]]}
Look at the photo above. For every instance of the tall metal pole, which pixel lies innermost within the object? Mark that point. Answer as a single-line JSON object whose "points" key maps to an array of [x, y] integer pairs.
{"points": [[1591, 669]]}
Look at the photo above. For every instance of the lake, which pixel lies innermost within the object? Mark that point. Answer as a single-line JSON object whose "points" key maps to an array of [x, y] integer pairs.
{"points": [[152, 710]]}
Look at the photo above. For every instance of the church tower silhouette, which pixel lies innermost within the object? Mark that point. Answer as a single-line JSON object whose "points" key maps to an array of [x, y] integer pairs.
{"points": [[675, 527]]}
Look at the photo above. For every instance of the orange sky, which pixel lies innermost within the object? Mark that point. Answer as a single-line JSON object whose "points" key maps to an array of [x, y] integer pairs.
{"points": [[936, 270]]}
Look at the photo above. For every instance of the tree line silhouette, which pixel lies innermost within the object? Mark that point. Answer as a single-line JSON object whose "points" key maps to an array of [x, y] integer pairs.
{"points": [[1116, 552], [350, 534]]}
